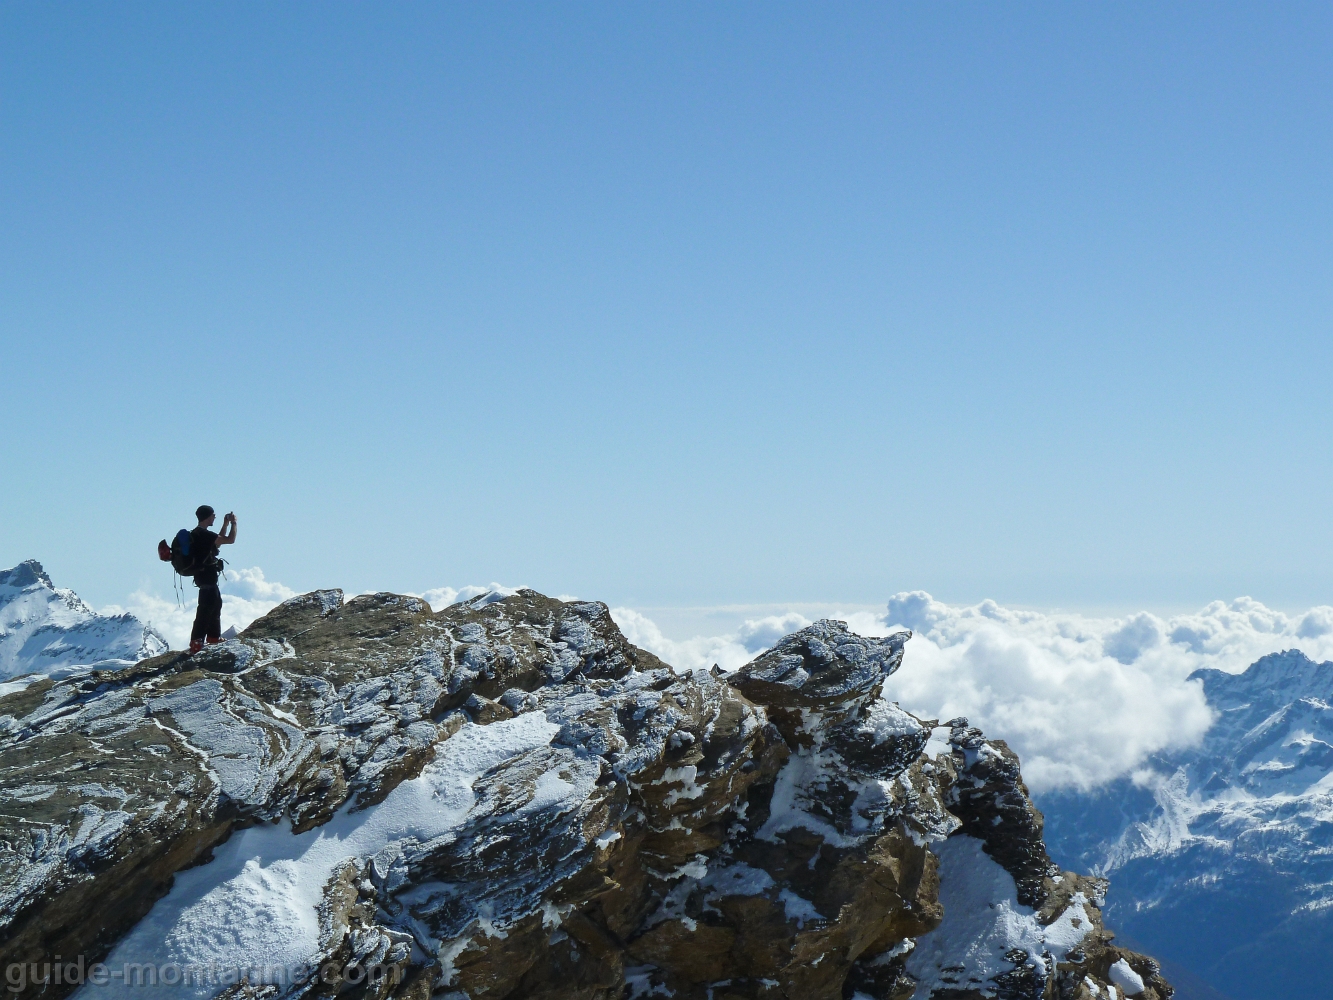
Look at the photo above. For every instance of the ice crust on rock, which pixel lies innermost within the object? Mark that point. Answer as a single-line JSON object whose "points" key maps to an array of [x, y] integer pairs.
{"points": [[506, 799], [240, 754]]}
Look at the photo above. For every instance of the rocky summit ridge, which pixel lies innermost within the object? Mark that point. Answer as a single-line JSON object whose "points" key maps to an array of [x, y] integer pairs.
{"points": [[506, 799]]}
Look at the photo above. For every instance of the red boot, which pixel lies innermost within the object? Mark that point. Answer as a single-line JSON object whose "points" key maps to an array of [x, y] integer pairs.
{"points": [[196, 645], [214, 640]]}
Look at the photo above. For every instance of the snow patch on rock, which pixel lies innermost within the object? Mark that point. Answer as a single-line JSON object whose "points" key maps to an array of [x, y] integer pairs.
{"points": [[984, 924], [258, 900], [1126, 978]]}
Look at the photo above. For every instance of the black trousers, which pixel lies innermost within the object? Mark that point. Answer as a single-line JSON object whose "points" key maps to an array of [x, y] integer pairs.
{"points": [[208, 619]]}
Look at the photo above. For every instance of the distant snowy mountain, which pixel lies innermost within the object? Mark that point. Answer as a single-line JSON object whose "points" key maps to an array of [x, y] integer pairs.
{"points": [[1222, 856], [44, 629]]}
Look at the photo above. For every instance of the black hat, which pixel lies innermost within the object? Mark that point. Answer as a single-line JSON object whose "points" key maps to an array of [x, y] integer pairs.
{"points": [[203, 512]]}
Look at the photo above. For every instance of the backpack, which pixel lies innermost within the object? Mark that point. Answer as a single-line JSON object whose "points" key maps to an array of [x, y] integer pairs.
{"points": [[178, 553]]}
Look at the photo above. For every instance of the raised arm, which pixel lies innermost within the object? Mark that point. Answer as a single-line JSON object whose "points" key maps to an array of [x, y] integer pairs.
{"points": [[228, 535]]}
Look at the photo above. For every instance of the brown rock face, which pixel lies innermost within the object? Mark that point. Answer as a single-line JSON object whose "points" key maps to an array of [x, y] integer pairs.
{"points": [[506, 799]]}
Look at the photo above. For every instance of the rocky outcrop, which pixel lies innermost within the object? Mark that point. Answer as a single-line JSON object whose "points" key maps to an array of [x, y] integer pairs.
{"points": [[506, 799]]}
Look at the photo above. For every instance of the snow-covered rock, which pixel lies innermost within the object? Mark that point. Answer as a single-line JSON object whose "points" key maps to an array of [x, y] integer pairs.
{"points": [[45, 629], [1223, 854], [506, 799]]}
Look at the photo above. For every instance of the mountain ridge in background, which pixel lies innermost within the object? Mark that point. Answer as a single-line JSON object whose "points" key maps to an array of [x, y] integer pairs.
{"points": [[1221, 855], [46, 629]]}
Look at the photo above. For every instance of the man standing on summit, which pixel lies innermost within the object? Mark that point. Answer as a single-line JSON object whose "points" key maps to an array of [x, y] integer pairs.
{"points": [[204, 545]]}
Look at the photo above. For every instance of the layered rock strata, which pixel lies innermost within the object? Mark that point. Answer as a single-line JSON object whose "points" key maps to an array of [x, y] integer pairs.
{"points": [[506, 799]]}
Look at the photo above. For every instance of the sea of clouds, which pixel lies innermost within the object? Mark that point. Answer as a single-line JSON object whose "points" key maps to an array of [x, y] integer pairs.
{"points": [[1081, 699]]}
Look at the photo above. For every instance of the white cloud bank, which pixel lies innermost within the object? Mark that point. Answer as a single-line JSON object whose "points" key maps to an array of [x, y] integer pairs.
{"points": [[246, 595], [1082, 700], [727, 651], [440, 598]]}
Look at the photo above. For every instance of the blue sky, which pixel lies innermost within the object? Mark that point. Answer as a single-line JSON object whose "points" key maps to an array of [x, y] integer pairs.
{"points": [[674, 304]]}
